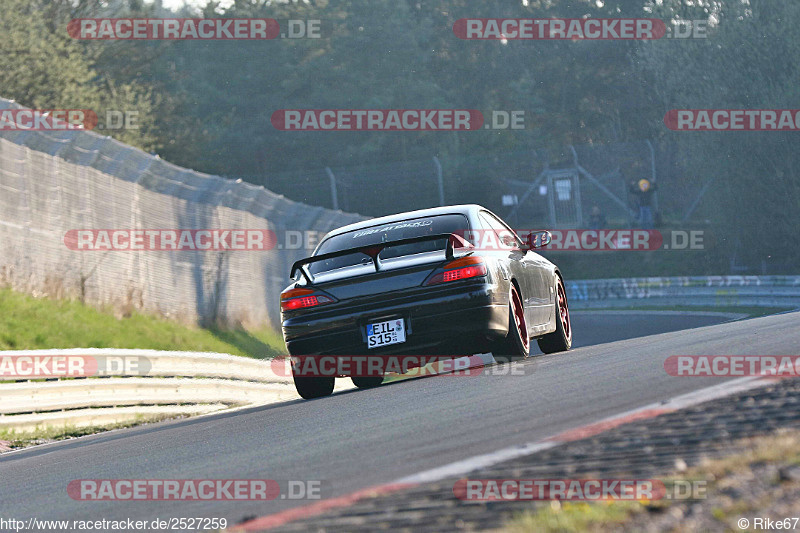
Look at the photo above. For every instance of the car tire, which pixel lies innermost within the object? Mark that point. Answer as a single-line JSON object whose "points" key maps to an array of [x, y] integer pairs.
{"points": [[561, 339], [517, 344], [367, 382], [313, 387]]}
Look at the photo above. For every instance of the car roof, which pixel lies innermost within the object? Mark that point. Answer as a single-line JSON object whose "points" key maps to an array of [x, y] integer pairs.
{"points": [[464, 209]]}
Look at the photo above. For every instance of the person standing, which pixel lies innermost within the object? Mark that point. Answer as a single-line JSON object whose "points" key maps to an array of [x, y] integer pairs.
{"points": [[642, 191]]}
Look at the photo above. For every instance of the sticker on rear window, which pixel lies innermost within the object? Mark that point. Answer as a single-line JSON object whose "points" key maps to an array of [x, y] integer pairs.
{"points": [[391, 227]]}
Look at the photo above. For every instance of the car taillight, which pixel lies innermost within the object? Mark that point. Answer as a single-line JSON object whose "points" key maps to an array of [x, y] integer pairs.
{"points": [[463, 268], [300, 298]]}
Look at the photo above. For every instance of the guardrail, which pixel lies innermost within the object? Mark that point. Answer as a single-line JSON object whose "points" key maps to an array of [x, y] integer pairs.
{"points": [[706, 291], [128, 384]]}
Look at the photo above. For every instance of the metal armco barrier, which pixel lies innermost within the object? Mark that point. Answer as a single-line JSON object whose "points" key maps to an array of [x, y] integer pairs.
{"points": [[706, 291], [136, 383]]}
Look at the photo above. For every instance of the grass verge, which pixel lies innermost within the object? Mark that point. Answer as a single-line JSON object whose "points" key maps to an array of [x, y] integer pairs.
{"points": [[28, 323]]}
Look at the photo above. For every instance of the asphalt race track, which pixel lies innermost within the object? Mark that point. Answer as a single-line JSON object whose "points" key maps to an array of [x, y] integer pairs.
{"points": [[357, 439]]}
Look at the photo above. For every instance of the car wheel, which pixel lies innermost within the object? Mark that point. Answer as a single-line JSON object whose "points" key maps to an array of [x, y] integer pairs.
{"points": [[313, 387], [561, 339], [517, 344], [367, 382]]}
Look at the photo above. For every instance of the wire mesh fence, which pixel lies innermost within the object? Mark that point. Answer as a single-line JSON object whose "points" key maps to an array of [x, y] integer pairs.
{"points": [[541, 188]]}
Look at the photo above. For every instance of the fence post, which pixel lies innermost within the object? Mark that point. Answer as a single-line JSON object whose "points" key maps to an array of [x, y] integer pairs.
{"points": [[439, 179], [334, 194]]}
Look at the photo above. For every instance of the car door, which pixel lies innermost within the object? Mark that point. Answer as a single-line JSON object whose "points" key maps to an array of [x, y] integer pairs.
{"points": [[527, 270], [543, 295]]}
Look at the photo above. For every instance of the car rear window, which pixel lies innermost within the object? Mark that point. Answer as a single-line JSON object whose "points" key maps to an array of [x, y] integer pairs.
{"points": [[394, 231]]}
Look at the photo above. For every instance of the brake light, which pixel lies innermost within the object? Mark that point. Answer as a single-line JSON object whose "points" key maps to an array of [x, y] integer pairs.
{"points": [[463, 268], [466, 272], [301, 298]]}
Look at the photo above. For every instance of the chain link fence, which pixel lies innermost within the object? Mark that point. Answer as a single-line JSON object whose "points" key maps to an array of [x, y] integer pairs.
{"points": [[52, 182], [532, 188]]}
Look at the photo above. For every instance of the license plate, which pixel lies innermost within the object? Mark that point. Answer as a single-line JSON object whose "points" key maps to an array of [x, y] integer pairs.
{"points": [[386, 333]]}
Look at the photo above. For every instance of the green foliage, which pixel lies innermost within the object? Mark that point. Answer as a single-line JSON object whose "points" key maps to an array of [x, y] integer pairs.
{"points": [[743, 64], [43, 68]]}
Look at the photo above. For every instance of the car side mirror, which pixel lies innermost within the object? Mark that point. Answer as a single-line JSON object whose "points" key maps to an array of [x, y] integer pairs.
{"points": [[539, 239], [509, 241]]}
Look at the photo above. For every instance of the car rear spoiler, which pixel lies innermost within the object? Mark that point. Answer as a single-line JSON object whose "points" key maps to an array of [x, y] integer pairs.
{"points": [[373, 250]]}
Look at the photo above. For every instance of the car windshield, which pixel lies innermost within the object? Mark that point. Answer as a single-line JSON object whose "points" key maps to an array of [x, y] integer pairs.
{"points": [[394, 231]]}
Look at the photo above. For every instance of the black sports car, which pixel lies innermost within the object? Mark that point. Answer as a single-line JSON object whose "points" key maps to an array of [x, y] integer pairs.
{"points": [[447, 281]]}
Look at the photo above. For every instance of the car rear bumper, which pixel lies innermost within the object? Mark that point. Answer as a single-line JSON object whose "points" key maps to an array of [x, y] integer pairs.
{"points": [[445, 321]]}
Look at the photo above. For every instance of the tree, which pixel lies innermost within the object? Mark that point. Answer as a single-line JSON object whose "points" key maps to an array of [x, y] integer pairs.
{"points": [[756, 192], [43, 68]]}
